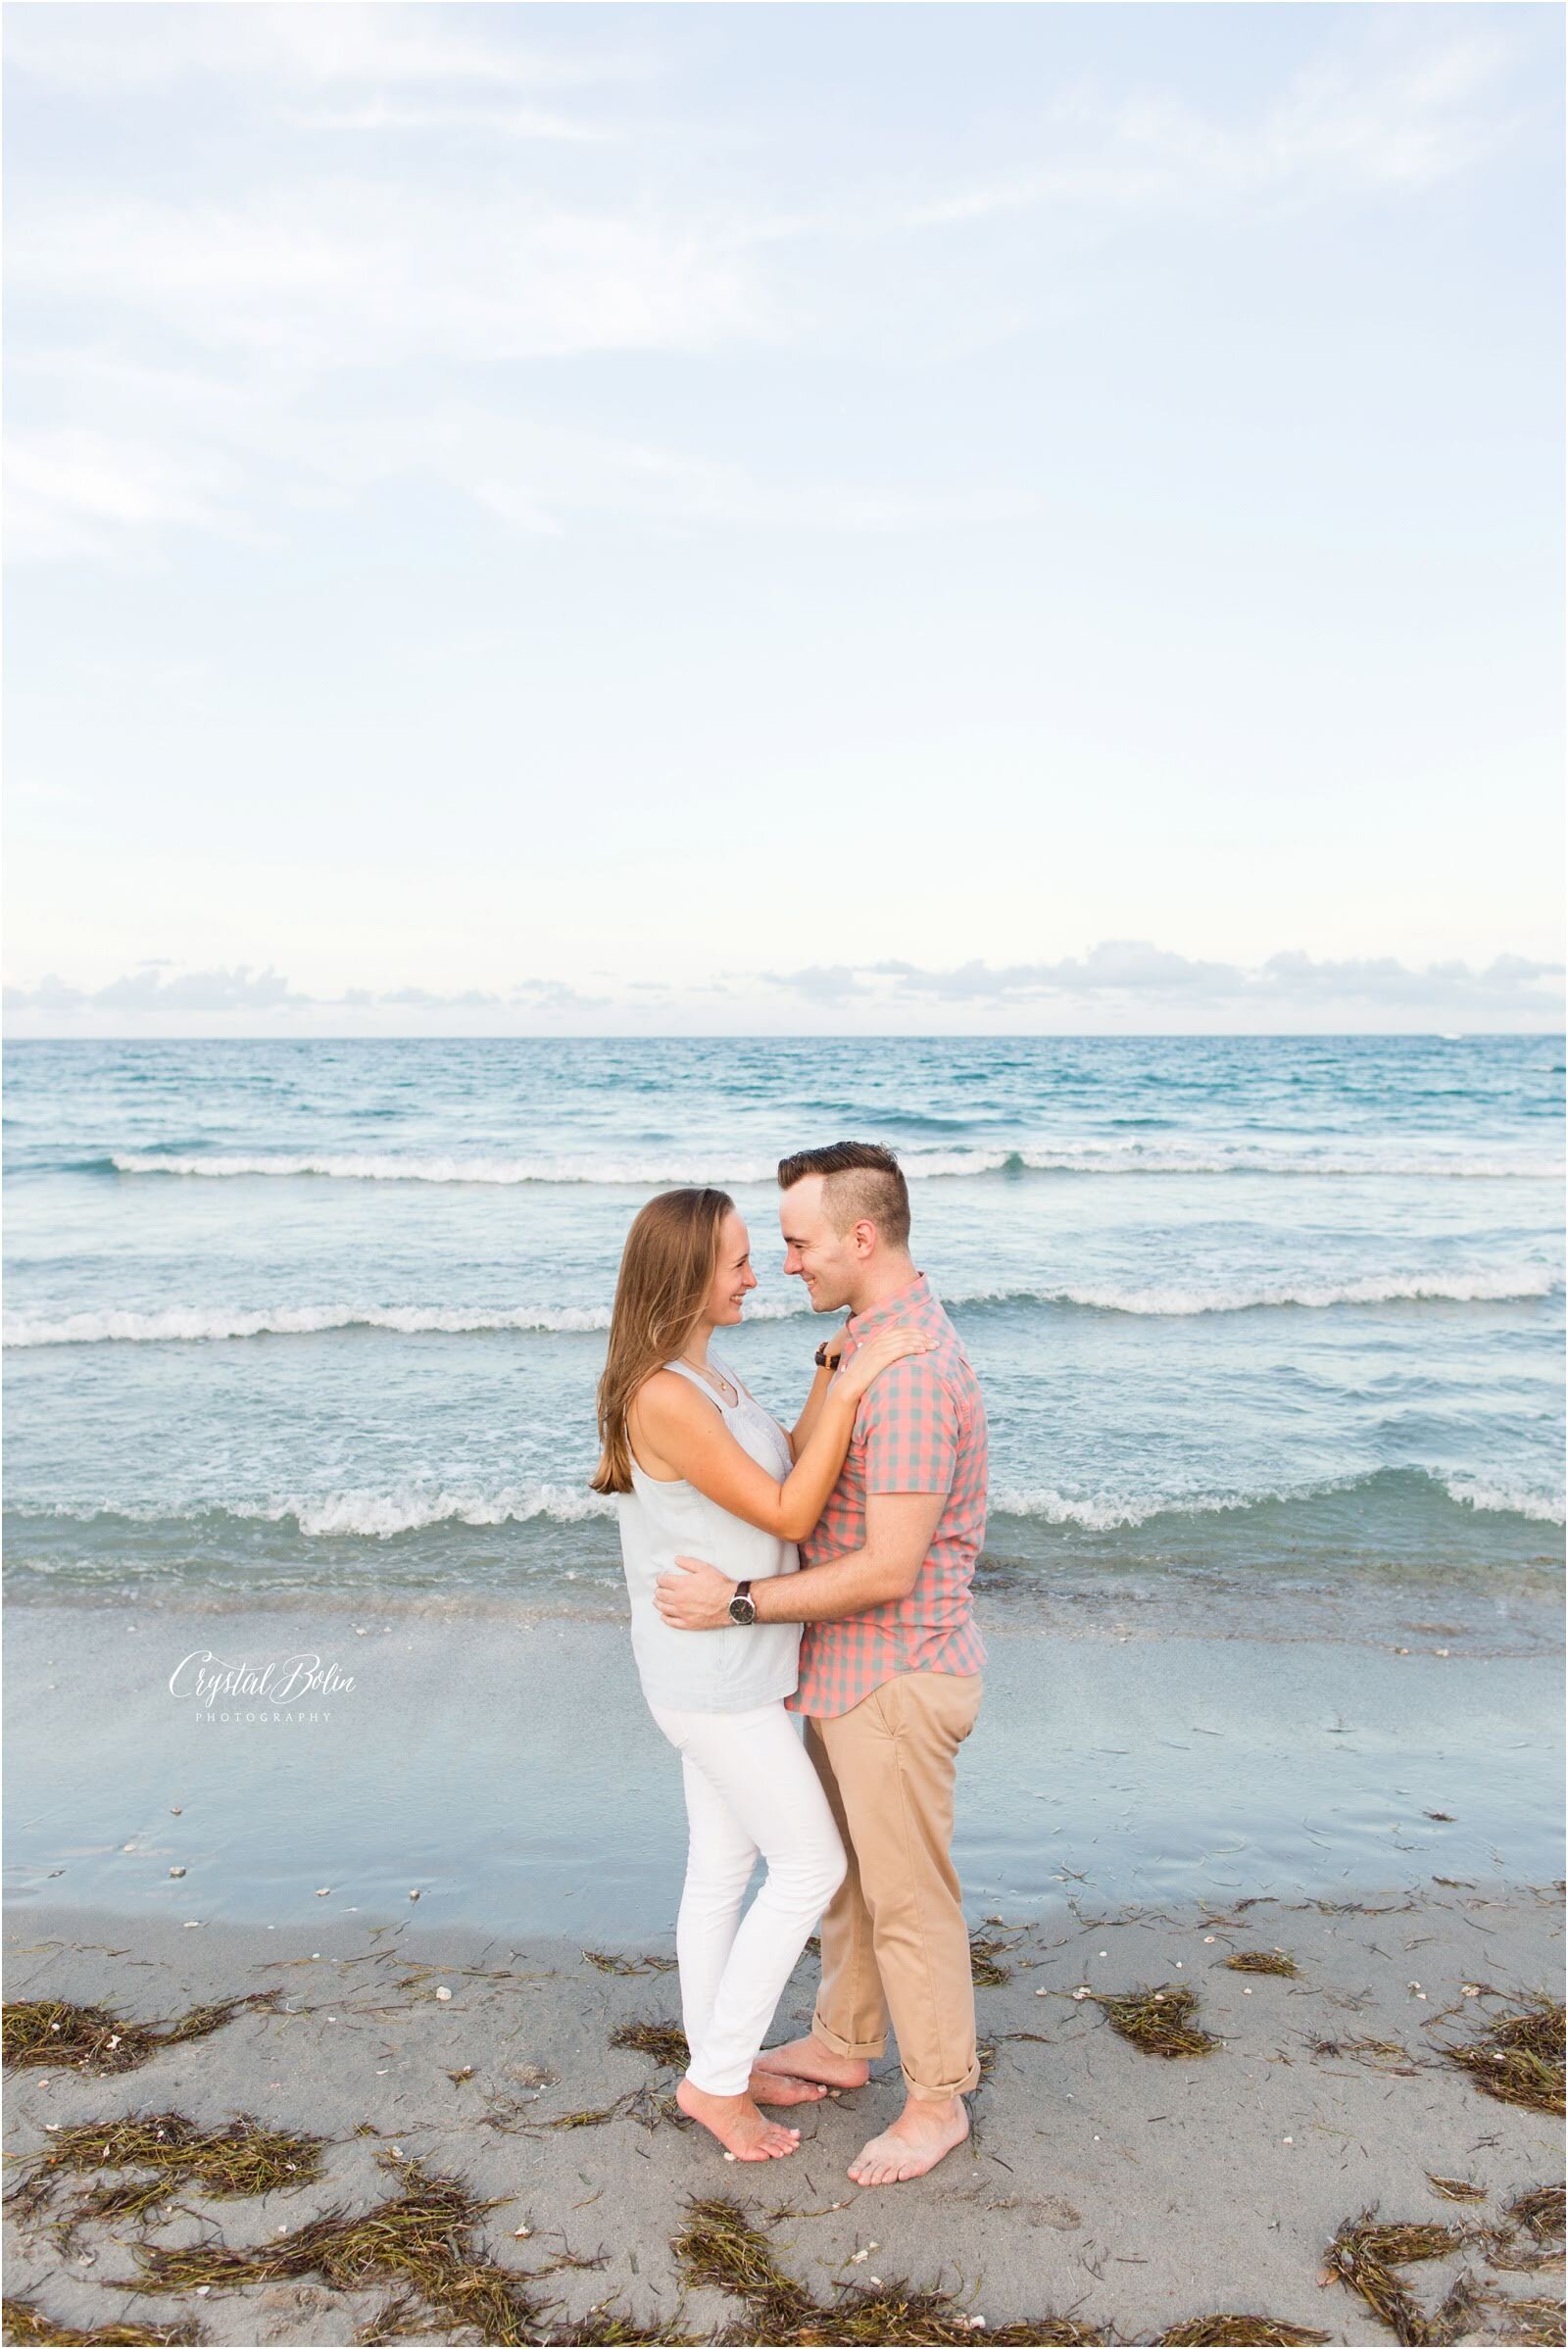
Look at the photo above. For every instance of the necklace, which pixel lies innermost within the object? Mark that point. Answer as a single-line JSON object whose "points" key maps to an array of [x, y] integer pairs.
{"points": [[712, 1378]]}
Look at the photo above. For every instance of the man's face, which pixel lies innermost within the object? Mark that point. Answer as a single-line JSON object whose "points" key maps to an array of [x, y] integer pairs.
{"points": [[826, 1260]]}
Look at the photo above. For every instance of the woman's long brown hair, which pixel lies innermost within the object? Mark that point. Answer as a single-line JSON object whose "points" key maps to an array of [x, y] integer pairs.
{"points": [[667, 1270]]}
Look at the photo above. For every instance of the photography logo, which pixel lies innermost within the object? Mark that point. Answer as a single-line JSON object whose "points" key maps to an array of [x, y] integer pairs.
{"points": [[296, 1690]]}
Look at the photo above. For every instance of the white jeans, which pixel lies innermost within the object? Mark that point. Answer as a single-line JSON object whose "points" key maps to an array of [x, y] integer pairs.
{"points": [[750, 1788]]}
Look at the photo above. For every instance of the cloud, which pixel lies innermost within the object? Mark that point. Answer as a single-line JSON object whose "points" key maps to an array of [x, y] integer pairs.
{"points": [[344, 270], [821, 983], [420, 998], [72, 492], [553, 994], [244, 458], [1116, 982], [291, 52], [1118, 963], [1135, 970], [193, 335], [144, 990], [1388, 114], [247, 991]]}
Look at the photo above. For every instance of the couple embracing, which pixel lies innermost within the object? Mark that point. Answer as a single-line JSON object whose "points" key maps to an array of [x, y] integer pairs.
{"points": [[822, 1571]]}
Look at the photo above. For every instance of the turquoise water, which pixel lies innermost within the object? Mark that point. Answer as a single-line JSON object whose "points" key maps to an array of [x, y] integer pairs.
{"points": [[308, 1316]]}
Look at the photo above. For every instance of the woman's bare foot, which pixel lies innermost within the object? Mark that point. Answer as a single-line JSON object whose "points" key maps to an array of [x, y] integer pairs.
{"points": [[924, 2131], [737, 2124], [809, 2059], [780, 2088]]}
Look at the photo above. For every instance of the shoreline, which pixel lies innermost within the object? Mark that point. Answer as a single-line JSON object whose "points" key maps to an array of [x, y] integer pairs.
{"points": [[506, 1768], [1129, 2190], [1513, 1610]]}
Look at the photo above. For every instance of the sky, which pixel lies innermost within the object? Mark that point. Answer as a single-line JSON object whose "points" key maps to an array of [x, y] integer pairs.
{"points": [[783, 518]]}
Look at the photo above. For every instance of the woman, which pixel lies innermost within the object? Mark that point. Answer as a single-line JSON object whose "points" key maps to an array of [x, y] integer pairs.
{"points": [[698, 1467]]}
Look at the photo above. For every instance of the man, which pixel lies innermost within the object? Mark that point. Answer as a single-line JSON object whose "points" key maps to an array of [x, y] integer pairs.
{"points": [[890, 1662]]}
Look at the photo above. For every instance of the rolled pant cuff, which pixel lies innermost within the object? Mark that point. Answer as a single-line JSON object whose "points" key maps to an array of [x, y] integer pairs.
{"points": [[867, 2048], [956, 2087], [711, 2086]]}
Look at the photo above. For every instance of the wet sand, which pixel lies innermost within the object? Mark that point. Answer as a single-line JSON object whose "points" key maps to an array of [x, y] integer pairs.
{"points": [[502, 1760]]}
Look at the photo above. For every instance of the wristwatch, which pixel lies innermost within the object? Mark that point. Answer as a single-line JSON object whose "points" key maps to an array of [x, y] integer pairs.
{"points": [[743, 1606], [837, 1344]]}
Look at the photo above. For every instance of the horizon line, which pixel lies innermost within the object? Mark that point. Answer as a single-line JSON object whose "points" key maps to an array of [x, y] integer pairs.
{"points": [[858, 1035]]}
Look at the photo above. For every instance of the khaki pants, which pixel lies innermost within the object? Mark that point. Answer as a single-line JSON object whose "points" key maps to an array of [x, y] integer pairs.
{"points": [[894, 1938]]}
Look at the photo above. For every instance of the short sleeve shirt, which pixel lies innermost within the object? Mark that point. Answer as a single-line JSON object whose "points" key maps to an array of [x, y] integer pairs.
{"points": [[920, 1428]]}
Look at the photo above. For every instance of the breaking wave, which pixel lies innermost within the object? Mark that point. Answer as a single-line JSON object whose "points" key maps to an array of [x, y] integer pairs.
{"points": [[185, 1324], [1086, 1158], [365, 1513]]}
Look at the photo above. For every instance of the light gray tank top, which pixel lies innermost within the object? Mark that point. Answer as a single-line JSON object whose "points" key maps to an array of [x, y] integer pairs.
{"points": [[743, 1665]]}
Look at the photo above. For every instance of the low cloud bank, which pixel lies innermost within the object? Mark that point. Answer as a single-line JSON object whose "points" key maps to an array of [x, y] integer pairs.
{"points": [[1132, 968], [1115, 985]]}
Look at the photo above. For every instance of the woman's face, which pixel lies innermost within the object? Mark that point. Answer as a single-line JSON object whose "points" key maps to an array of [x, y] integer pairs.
{"points": [[733, 1274]]}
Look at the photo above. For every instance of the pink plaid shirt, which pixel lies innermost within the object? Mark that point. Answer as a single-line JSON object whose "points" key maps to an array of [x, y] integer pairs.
{"points": [[920, 1428]]}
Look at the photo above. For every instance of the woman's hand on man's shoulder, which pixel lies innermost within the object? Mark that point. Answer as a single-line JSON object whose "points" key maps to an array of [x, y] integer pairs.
{"points": [[879, 1354]]}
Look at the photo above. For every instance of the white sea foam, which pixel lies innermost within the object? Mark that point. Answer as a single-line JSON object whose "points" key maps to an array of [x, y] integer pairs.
{"points": [[370, 1514], [388, 1166], [1104, 1513], [1506, 1494], [1498, 1285], [1495, 1284], [193, 1322], [379, 1515], [1251, 1158], [1086, 1158], [411, 1508]]}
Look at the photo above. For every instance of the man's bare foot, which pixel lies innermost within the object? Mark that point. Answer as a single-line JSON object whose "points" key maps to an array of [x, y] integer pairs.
{"points": [[780, 2088], [737, 2124], [914, 2143], [809, 2059]]}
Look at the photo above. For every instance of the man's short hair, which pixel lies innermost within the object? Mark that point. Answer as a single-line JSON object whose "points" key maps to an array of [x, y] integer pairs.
{"points": [[861, 1179]]}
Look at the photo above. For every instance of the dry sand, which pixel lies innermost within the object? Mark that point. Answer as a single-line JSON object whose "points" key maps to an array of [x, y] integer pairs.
{"points": [[1126, 2189]]}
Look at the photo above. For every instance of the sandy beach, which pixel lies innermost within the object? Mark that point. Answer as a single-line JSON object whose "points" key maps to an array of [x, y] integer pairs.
{"points": [[1121, 2190], [1144, 1807]]}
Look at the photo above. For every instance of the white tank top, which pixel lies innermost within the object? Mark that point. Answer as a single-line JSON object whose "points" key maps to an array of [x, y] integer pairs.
{"points": [[743, 1665]]}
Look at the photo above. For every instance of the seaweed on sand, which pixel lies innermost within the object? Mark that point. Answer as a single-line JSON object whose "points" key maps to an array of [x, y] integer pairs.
{"points": [[720, 2246], [420, 2241], [1526, 2321], [1236, 2333], [246, 2157], [25, 2322], [603, 2328], [1519, 2057], [985, 1967], [1160, 2021], [608, 1963], [1261, 1961], [1363, 2256], [1530, 2233], [666, 2043], [69, 2037], [1541, 2211], [1379, 2055]]}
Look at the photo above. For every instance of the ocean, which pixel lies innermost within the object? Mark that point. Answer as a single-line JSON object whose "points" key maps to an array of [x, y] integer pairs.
{"points": [[1281, 1316]]}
